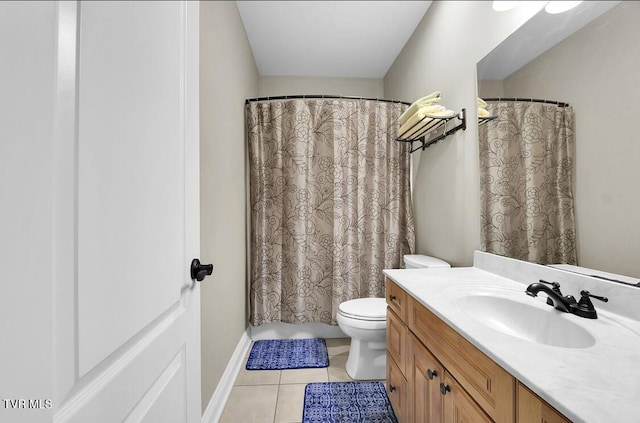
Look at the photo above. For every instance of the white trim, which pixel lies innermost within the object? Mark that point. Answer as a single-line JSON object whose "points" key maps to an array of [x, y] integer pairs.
{"points": [[291, 331], [223, 390]]}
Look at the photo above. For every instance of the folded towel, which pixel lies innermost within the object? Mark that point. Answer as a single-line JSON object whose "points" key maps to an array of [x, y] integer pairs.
{"points": [[482, 112], [423, 116], [481, 103], [444, 113], [427, 100], [419, 114]]}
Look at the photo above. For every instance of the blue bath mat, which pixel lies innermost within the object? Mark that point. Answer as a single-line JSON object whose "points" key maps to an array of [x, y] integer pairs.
{"points": [[279, 354], [347, 402]]}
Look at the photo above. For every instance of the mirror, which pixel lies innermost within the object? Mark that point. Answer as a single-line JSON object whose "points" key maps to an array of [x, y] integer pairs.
{"points": [[588, 57]]}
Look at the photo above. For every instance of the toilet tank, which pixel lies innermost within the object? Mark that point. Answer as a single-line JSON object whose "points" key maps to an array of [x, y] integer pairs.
{"points": [[419, 261]]}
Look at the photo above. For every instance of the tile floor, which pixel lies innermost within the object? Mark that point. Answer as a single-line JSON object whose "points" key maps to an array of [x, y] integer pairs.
{"points": [[277, 396]]}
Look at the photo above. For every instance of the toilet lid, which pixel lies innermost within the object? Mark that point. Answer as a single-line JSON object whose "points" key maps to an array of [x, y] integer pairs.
{"points": [[365, 308], [419, 261]]}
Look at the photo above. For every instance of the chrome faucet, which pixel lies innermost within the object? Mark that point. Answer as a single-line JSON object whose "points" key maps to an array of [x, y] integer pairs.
{"points": [[567, 304]]}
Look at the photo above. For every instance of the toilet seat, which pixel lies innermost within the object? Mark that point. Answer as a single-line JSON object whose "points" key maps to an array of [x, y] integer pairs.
{"points": [[368, 309]]}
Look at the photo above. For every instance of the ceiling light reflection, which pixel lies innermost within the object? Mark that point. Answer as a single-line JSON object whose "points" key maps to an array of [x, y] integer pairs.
{"points": [[503, 5], [555, 7]]}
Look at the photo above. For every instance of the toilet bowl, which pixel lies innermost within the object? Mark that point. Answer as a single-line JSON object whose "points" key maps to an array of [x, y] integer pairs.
{"points": [[364, 320]]}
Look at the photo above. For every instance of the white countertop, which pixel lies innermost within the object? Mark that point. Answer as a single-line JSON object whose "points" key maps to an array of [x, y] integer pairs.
{"points": [[599, 383]]}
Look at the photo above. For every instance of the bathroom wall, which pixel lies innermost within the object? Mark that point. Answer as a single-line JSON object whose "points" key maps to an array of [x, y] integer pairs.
{"points": [[597, 73], [228, 75], [441, 55], [292, 85], [490, 89]]}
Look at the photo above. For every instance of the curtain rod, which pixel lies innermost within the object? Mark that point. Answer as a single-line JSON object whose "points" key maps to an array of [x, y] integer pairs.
{"points": [[320, 96], [532, 100]]}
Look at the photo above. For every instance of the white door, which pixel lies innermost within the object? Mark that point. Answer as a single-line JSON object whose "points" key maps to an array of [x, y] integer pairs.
{"points": [[99, 212]]}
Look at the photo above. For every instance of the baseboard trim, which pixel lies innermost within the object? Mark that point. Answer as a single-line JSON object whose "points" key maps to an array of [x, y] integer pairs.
{"points": [[220, 396]]}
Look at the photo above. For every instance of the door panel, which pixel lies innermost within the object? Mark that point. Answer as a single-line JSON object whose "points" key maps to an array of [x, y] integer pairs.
{"points": [[130, 171], [100, 120], [137, 345]]}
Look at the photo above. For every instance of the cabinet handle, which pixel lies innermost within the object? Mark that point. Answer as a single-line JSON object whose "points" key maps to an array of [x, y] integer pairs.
{"points": [[392, 297], [432, 373], [444, 388], [392, 388]]}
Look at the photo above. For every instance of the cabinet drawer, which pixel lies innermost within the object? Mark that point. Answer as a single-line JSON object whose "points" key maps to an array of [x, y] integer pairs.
{"points": [[533, 409], [486, 382], [396, 299], [397, 340], [397, 390]]}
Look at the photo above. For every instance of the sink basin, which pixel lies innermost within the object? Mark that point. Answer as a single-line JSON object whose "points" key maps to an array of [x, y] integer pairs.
{"points": [[537, 323]]}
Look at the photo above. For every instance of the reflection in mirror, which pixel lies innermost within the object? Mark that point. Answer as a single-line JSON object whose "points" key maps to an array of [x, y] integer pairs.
{"points": [[595, 70]]}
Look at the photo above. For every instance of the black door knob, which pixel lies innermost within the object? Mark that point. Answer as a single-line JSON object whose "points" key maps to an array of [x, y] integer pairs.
{"points": [[200, 271]]}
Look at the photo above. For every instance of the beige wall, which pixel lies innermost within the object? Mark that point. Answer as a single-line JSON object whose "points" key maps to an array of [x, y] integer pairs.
{"points": [[490, 89], [597, 71], [228, 75], [294, 85], [441, 55]]}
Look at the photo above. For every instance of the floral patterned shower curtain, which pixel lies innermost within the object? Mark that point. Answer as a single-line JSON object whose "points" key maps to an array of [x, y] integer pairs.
{"points": [[330, 205], [526, 194]]}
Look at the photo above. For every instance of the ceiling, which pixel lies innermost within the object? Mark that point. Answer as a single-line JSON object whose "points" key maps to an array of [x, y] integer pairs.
{"points": [[357, 39]]}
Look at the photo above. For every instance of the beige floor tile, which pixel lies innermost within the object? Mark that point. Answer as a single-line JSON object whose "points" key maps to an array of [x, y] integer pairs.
{"points": [[251, 404], [290, 403], [304, 376], [337, 346], [336, 370], [258, 377]]}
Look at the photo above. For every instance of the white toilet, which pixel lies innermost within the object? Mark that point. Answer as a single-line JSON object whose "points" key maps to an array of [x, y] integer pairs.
{"points": [[364, 320]]}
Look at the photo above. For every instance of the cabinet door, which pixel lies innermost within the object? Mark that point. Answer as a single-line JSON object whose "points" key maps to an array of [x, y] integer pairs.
{"points": [[397, 391], [397, 340], [532, 409], [459, 407], [426, 373]]}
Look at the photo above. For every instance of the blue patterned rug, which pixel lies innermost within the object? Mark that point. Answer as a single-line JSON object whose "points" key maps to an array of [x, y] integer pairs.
{"points": [[347, 402], [282, 354]]}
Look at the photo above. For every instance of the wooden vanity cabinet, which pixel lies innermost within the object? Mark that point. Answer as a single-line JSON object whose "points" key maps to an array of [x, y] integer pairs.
{"points": [[434, 375]]}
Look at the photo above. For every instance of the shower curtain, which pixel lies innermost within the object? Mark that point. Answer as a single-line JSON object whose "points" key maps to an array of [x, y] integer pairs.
{"points": [[330, 205], [526, 195]]}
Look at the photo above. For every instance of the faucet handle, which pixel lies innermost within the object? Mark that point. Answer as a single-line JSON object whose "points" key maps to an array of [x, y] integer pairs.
{"points": [[554, 285], [585, 297], [585, 307]]}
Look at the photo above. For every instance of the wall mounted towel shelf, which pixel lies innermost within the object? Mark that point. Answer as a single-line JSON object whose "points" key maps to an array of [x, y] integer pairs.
{"points": [[483, 120], [423, 130]]}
